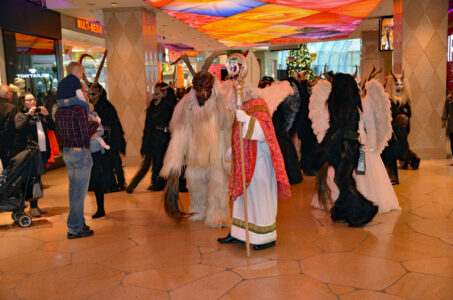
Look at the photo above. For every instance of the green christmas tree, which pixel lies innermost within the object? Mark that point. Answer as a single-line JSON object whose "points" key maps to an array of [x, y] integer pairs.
{"points": [[299, 61]]}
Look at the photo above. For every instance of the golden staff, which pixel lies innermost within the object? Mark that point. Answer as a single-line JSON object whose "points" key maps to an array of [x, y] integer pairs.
{"points": [[237, 66]]}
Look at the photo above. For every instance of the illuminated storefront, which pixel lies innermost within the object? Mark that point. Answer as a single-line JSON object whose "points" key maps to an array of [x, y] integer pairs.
{"points": [[31, 38], [83, 36]]}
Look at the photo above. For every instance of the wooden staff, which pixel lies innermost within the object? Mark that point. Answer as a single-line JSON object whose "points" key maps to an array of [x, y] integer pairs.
{"points": [[237, 66]]}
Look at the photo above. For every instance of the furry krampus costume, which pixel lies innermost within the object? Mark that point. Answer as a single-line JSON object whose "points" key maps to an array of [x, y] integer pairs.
{"points": [[283, 121], [398, 148], [337, 128], [310, 158], [201, 130]]}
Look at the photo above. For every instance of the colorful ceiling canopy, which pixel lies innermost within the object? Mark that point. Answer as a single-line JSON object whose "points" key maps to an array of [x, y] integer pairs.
{"points": [[246, 23]]}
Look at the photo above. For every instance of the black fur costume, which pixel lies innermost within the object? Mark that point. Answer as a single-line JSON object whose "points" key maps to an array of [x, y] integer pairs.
{"points": [[283, 119], [156, 136], [310, 160], [398, 147], [112, 168], [341, 150]]}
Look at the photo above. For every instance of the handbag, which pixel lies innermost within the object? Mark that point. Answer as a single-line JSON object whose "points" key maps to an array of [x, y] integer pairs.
{"points": [[37, 190]]}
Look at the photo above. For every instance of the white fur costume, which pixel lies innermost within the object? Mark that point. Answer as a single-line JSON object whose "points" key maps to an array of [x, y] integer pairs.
{"points": [[200, 139]]}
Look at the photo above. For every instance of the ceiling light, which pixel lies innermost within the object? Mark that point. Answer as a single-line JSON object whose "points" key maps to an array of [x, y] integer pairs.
{"points": [[114, 4]]}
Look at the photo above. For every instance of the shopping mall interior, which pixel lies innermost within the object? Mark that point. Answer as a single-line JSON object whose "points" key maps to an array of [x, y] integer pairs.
{"points": [[146, 244]]}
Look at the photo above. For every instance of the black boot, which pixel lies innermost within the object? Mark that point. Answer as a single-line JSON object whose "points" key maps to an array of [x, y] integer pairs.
{"points": [[99, 214], [229, 240], [264, 246]]}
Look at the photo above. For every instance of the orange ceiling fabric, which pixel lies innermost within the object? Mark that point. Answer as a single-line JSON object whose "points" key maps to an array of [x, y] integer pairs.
{"points": [[29, 44], [242, 23]]}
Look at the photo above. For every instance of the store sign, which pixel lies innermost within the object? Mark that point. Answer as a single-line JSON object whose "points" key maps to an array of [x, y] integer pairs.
{"points": [[89, 26], [32, 75], [172, 56]]}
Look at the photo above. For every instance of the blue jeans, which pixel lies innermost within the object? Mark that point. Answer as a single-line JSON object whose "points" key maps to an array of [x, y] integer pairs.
{"points": [[78, 164]]}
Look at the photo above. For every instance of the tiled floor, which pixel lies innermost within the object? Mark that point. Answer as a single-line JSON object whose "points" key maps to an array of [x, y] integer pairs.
{"points": [[138, 253]]}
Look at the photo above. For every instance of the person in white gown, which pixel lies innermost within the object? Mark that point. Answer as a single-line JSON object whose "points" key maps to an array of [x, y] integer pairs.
{"points": [[265, 177], [374, 128]]}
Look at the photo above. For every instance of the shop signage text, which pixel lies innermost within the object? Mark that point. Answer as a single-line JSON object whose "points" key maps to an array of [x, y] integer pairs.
{"points": [[89, 26], [172, 56], [30, 75]]}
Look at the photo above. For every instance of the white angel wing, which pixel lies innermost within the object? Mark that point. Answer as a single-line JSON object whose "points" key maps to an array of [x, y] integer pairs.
{"points": [[273, 94], [318, 112], [379, 102]]}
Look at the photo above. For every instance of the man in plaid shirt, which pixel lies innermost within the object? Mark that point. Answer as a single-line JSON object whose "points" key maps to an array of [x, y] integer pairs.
{"points": [[74, 131]]}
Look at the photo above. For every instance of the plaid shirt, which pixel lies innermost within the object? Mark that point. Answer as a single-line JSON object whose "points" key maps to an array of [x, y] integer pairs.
{"points": [[73, 128]]}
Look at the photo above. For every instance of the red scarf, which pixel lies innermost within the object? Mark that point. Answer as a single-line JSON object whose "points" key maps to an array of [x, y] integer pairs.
{"points": [[258, 109], [54, 149]]}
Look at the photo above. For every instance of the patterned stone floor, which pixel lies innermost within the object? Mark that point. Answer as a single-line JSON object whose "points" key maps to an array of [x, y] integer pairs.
{"points": [[138, 253]]}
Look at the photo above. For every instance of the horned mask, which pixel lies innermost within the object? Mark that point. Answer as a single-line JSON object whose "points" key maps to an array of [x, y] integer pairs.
{"points": [[95, 90], [399, 83], [203, 81], [372, 75]]}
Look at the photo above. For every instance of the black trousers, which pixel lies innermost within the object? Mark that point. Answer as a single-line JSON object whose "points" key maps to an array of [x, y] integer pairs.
{"points": [[112, 170], [44, 157], [155, 156], [96, 177]]}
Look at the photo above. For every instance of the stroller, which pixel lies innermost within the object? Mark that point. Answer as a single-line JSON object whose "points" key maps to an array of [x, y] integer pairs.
{"points": [[15, 181]]}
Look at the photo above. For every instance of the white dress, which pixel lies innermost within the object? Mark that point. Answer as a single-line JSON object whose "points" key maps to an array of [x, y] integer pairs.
{"points": [[375, 184], [261, 197]]}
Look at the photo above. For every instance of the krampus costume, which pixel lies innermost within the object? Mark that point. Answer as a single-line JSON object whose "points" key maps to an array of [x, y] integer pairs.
{"points": [[112, 168], [310, 157], [398, 148], [265, 172], [283, 121], [337, 129], [201, 129], [156, 136]]}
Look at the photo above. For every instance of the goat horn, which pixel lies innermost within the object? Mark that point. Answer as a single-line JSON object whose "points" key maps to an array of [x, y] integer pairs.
{"points": [[372, 72], [100, 68], [185, 59], [209, 61], [394, 77], [356, 72], [84, 77]]}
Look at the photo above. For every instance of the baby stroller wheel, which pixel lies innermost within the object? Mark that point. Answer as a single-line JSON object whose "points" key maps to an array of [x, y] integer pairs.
{"points": [[24, 220], [14, 215]]}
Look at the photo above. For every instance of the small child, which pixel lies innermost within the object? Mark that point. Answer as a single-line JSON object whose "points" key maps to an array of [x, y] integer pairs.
{"points": [[71, 92], [97, 143]]}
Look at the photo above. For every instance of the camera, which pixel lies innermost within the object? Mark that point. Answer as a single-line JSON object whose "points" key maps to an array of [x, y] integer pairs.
{"points": [[38, 110]]}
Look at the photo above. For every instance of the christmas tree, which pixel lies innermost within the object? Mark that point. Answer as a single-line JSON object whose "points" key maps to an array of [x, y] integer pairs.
{"points": [[299, 61]]}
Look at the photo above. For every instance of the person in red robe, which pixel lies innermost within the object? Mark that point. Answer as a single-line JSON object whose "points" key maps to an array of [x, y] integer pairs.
{"points": [[266, 177]]}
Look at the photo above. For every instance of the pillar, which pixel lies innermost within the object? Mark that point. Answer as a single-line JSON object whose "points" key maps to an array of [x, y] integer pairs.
{"points": [[420, 33], [371, 56], [131, 41]]}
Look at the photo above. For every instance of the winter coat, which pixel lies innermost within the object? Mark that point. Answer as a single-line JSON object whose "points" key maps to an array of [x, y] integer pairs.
{"points": [[26, 130], [447, 117]]}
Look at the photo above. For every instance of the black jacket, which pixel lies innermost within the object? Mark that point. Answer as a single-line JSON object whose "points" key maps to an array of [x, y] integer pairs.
{"points": [[7, 130], [113, 131], [26, 130], [157, 119]]}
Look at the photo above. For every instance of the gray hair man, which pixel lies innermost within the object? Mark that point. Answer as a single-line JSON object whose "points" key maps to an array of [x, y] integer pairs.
{"points": [[7, 129]]}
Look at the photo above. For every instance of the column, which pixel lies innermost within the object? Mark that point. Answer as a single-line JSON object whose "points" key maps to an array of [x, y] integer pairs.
{"points": [[371, 56], [421, 51], [131, 41]]}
